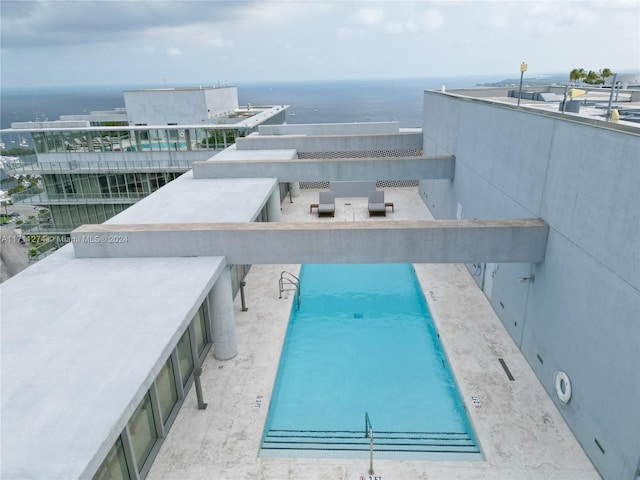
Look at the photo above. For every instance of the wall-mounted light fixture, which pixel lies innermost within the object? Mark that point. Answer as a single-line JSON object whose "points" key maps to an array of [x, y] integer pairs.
{"points": [[530, 278]]}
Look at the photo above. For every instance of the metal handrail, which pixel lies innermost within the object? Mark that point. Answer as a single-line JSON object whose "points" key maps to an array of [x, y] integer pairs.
{"points": [[99, 166], [368, 432], [367, 424], [38, 195], [287, 278]]}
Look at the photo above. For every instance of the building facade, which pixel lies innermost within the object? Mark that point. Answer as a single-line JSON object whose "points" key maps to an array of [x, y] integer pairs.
{"points": [[95, 166], [578, 311]]}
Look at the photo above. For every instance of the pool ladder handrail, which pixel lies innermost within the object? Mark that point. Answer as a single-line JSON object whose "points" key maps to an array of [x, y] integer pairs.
{"points": [[368, 432], [287, 281]]}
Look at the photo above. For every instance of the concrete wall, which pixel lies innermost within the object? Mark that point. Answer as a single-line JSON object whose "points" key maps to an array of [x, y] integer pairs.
{"points": [[331, 128], [273, 242], [221, 101], [486, 92], [179, 106], [580, 314], [353, 169], [352, 188], [335, 143]]}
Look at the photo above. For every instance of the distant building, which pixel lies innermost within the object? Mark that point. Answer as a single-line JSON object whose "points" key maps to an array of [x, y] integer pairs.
{"points": [[625, 80], [95, 166]]}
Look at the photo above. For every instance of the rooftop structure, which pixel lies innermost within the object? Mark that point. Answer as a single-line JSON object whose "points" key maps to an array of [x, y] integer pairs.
{"points": [[523, 212], [95, 166]]}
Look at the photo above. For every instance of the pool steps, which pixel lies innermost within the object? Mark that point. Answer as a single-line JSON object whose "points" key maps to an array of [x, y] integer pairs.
{"points": [[345, 440]]}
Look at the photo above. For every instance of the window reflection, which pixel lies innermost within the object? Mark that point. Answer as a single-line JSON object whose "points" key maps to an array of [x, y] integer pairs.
{"points": [[142, 431], [114, 466], [153, 139], [201, 331], [166, 388], [185, 357]]}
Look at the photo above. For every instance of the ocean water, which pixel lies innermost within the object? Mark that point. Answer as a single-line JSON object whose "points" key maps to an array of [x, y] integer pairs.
{"points": [[310, 102]]}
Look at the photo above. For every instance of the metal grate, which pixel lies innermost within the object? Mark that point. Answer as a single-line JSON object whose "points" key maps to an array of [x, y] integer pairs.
{"points": [[407, 152], [379, 184]]}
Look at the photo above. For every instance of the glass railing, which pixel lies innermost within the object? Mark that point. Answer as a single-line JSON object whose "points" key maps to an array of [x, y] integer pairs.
{"points": [[99, 166], [36, 195], [27, 194], [138, 139], [33, 228]]}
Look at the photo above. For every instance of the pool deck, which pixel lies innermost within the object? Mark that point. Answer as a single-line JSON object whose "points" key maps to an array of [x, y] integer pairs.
{"points": [[520, 430]]}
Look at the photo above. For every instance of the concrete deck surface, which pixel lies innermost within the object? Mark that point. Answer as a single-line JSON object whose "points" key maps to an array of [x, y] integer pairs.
{"points": [[521, 432]]}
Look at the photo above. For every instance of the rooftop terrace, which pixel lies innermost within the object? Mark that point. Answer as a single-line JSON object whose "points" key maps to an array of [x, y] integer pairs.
{"points": [[521, 432], [593, 105]]}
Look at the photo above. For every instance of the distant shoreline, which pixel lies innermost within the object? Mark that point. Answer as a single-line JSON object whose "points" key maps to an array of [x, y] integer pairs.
{"points": [[471, 80]]}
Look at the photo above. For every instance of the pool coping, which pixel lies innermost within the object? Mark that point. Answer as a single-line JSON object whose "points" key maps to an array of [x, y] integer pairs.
{"points": [[354, 443]]}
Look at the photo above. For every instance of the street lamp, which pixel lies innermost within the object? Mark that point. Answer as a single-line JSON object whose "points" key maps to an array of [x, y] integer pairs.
{"points": [[523, 68]]}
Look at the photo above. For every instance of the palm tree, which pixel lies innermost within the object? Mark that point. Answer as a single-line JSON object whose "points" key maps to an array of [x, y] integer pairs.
{"points": [[592, 78], [604, 73], [577, 74]]}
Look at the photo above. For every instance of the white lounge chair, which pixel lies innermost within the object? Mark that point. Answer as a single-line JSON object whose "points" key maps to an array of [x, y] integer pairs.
{"points": [[327, 204], [377, 205]]}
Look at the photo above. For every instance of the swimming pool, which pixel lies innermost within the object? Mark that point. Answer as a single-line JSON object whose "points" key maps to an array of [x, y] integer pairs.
{"points": [[363, 341], [146, 146]]}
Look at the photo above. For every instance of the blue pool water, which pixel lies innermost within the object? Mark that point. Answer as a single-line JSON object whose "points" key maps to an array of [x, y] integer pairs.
{"points": [[364, 341]]}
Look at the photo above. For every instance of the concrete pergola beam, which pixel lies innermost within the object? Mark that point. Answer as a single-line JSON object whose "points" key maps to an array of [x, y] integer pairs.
{"points": [[436, 241], [308, 170]]}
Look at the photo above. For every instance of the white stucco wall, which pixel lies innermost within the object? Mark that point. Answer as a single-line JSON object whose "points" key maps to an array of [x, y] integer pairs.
{"points": [[578, 315], [179, 106]]}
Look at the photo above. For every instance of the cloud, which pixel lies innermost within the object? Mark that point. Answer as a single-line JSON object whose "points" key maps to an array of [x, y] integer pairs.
{"points": [[428, 20], [407, 17], [369, 16], [144, 49], [217, 42], [77, 41], [65, 22], [281, 12], [345, 31], [431, 19]]}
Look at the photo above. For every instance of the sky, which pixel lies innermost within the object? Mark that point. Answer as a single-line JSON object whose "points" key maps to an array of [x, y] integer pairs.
{"points": [[186, 42]]}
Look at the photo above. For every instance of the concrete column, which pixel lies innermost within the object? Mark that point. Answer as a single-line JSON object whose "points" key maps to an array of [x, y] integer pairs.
{"points": [[223, 321], [294, 188], [273, 207]]}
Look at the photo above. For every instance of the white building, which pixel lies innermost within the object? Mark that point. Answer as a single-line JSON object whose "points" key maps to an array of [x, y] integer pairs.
{"points": [[95, 166]]}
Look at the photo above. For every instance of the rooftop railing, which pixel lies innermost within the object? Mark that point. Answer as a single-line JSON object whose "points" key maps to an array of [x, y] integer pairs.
{"points": [[99, 166], [35, 228], [35, 195]]}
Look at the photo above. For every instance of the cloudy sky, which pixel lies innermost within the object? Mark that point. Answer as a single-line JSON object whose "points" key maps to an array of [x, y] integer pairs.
{"points": [[101, 42]]}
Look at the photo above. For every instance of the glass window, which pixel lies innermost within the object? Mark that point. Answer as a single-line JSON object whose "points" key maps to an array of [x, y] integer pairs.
{"points": [[114, 466], [166, 387], [142, 431], [184, 356], [201, 331]]}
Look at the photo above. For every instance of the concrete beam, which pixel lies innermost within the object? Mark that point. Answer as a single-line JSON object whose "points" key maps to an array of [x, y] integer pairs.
{"points": [[431, 167], [351, 128], [436, 241], [333, 143]]}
